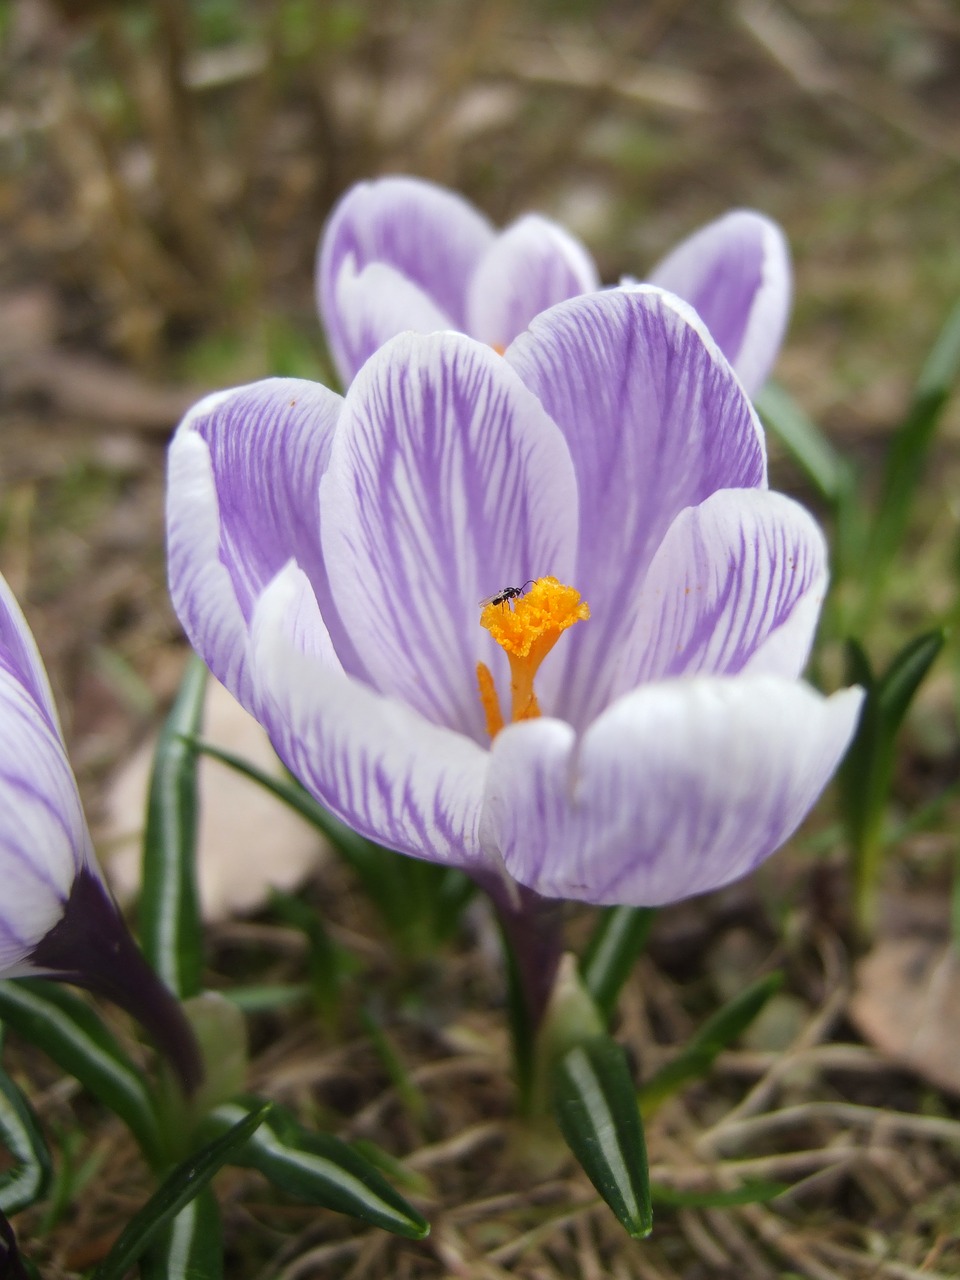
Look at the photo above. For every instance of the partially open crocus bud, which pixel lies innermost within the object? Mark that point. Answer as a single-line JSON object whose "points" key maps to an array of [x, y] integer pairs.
{"points": [[57, 918]]}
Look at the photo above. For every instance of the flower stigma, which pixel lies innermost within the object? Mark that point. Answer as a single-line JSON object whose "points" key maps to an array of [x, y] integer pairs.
{"points": [[526, 627]]}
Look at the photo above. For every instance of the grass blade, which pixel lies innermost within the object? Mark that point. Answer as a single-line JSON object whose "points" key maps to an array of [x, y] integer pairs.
{"points": [[190, 1247], [618, 939], [27, 1180], [184, 1184], [72, 1034], [170, 927]]}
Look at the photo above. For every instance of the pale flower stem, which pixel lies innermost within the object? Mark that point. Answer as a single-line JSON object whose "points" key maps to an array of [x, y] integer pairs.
{"points": [[532, 928], [91, 947]]}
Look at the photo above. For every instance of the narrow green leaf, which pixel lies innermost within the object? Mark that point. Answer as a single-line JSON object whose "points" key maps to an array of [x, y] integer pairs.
{"points": [[719, 1031], [826, 469], [595, 1104], [186, 1182], [911, 444], [746, 1193], [866, 772], [27, 1180], [67, 1029], [190, 1247], [170, 926], [322, 1170], [618, 939]]}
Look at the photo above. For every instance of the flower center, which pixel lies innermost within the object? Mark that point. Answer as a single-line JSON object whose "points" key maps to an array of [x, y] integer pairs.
{"points": [[526, 627]]}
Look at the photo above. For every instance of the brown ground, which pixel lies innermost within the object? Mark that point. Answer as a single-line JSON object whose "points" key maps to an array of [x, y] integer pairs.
{"points": [[166, 170]]}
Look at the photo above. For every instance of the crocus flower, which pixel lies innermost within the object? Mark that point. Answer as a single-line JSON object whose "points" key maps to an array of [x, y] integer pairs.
{"points": [[327, 555], [402, 254], [57, 918]]}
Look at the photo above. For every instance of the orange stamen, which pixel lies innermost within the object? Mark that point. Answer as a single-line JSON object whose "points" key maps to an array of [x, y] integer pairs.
{"points": [[526, 628]]}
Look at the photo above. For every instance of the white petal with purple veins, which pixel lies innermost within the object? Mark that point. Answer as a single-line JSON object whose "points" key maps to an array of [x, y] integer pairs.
{"points": [[430, 235], [532, 265], [43, 835], [656, 421], [745, 566], [736, 273], [375, 304], [375, 763], [447, 481], [677, 789]]}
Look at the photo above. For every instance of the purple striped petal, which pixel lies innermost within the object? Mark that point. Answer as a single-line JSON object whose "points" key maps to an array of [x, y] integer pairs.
{"points": [[531, 266], [429, 235], [656, 421], [373, 306], [677, 789], [447, 481], [242, 499], [43, 835], [20, 657], [375, 763], [736, 273], [737, 585]]}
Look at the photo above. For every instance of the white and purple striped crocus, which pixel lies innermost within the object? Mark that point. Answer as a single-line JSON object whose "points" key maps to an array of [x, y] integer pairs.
{"points": [[57, 918], [401, 254], [327, 555]]}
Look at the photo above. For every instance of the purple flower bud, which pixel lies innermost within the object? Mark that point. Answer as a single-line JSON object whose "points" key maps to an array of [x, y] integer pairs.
{"points": [[57, 918]]}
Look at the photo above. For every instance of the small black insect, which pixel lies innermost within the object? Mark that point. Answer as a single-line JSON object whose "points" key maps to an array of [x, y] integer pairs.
{"points": [[506, 594]]}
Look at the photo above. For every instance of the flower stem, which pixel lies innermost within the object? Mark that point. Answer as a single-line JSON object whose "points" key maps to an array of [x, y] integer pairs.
{"points": [[531, 927], [91, 947]]}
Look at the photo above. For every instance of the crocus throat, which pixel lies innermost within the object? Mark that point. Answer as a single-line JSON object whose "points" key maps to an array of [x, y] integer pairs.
{"points": [[526, 628]]}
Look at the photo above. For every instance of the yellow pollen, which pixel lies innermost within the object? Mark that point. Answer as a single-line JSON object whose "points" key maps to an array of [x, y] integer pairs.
{"points": [[498, 348], [526, 628]]}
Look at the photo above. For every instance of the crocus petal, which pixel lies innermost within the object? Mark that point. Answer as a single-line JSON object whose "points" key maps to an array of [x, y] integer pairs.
{"points": [[447, 481], [20, 657], [374, 305], [43, 836], [531, 266], [736, 273], [656, 421], [431, 236], [744, 566], [677, 789], [242, 498], [375, 763]]}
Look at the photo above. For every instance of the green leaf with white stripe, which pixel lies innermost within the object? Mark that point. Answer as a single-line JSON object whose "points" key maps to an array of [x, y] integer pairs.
{"points": [[619, 937], [190, 1247], [170, 928], [26, 1181], [183, 1185], [72, 1034], [323, 1170], [595, 1104]]}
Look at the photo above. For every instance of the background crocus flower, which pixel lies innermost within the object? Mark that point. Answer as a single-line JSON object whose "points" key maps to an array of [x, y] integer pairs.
{"points": [[403, 254], [57, 918], [326, 557]]}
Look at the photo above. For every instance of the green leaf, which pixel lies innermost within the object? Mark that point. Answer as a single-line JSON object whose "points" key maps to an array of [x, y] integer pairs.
{"points": [[186, 1182], [170, 927], [867, 770], [719, 1031], [190, 1247], [595, 1104], [826, 469], [747, 1193], [67, 1029], [618, 939], [322, 1170], [910, 446], [27, 1180]]}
